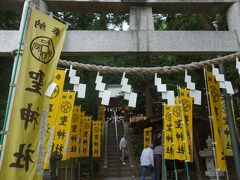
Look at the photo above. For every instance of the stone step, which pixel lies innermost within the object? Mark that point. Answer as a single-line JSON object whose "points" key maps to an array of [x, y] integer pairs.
{"points": [[113, 133], [113, 150], [112, 171], [119, 168], [120, 165], [117, 164], [117, 174], [121, 178], [112, 136], [114, 161], [115, 156], [112, 142]]}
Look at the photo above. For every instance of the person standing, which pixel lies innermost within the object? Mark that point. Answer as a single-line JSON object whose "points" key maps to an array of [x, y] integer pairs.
{"points": [[147, 162], [123, 148], [157, 151]]}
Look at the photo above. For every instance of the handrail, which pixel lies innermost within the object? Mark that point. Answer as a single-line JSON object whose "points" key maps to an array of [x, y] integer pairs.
{"points": [[116, 131], [105, 144]]}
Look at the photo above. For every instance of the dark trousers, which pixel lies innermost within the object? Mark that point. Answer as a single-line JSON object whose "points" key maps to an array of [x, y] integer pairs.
{"points": [[158, 166], [144, 171]]}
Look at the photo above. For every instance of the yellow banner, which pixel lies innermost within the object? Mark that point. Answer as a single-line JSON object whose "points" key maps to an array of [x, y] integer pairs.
{"points": [[101, 113], [63, 124], [187, 104], [75, 133], [82, 117], [147, 137], [226, 139], [101, 116], [168, 135], [177, 132], [59, 77], [181, 146], [216, 112], [85, 137], [96, 138], [22, 155]]}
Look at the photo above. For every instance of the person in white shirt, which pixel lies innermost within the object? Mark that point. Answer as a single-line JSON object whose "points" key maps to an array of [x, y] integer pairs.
{"points": [[123, 148], [147, 162]]}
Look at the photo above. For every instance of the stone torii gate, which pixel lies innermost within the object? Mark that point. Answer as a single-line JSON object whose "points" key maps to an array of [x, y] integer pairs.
{"points": [[141, 38]]}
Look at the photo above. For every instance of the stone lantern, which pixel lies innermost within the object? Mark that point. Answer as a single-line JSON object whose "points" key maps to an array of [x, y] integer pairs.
{"points": [[207, 153]]}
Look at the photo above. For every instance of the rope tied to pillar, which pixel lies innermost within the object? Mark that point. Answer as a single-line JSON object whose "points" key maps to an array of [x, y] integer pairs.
{"points": [[150, 70]]}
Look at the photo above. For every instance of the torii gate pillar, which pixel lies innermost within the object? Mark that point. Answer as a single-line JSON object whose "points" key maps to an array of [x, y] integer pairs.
{"points": [[233, 19], [141, 19]]}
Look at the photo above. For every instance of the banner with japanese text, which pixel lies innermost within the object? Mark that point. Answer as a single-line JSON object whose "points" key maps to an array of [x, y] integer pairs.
{"points": [[147, 137], [75, 133], [101, 116], [187, 107], [101, 113], [216, 113], [226, 139], [96, 138], [181, 147], [63, 124], [82, 117], [177, 132], [59, 77], [168, 134], [21, 157], [85, 136]]}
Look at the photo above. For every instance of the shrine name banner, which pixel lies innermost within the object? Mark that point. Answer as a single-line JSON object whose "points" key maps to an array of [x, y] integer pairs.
{"points": [[59, 77], [181, 145], [82, 117], [85, 136], [187, 109], [101, 113], [96, 138], [147, 137], [22, 151], [101, 116], [216, 112], [226, 139], [168, 134], [75, 133], [63, 124]]}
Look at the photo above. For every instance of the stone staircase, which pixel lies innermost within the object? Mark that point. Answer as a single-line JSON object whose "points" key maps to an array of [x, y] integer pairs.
{"points": [[115, 169]]}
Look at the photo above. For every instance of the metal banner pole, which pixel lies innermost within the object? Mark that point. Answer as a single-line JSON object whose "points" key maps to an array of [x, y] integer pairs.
{"points": [[233, 134], [210, 122]]}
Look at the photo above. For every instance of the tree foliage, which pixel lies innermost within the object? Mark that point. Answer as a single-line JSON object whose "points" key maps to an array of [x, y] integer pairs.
{"points": [[111, 21]]}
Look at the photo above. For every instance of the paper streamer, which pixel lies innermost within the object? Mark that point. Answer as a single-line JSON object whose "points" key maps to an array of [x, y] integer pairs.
{"points": [[220, 78], [195, 94]]}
